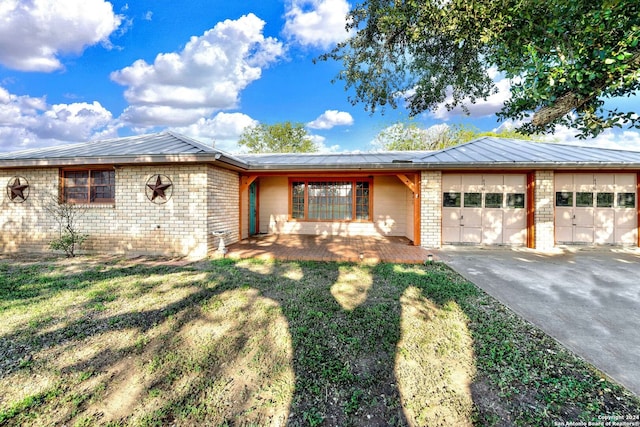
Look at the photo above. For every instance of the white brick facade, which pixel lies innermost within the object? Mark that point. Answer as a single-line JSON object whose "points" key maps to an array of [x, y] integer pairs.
{"points": [[431, 209], [204, 198], [544, 210]]}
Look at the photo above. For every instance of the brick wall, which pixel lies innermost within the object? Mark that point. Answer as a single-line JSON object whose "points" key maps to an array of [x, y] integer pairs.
{"points": [[544, 210], [431, 209], [132, 225], [223, 205]]}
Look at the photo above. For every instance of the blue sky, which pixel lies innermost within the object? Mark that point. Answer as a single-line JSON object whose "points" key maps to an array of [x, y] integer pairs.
{"points": [[78, 70]]}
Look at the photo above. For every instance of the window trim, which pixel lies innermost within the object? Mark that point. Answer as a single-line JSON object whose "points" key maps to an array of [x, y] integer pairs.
{"points": [[90, 186], [350, 179]]}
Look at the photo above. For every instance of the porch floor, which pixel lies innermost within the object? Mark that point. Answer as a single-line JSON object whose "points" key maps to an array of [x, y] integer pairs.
{"points": [[329, 248]]}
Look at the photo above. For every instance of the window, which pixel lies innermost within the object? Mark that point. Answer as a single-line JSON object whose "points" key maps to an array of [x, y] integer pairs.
{"points": [[493, 200], [564, 199], [331, 200], [89, 186], [584, 200], [515, 200], [604, 200], [626, 200], [472, 200], [451, 200]]}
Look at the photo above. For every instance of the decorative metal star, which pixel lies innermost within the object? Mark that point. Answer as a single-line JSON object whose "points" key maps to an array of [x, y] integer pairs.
{"points": [[17, 189], [158, 189]]}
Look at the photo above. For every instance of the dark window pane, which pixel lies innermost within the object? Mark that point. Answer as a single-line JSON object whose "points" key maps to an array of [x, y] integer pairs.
{"points": [[89, 186], [584, 200], [626, 200], [515, 200], [564, 198], [604, 200], [493, 200], [451, 200], [472, 200]]}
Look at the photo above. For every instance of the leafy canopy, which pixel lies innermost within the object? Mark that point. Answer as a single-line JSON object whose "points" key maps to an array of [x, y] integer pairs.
{"points": [[277, 138], [564, 57], [409, 136]]}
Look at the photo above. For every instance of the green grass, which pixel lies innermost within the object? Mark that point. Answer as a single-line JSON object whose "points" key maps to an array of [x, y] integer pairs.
{"points": [[94, 342]]}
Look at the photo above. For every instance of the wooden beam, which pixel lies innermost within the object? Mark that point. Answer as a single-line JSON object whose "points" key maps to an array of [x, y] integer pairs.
{"points": [[406, 181], [531, 210], [246, 181]]}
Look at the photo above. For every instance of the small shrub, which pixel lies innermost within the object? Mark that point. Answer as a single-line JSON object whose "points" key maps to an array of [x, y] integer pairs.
{"points": [[68, 243]]}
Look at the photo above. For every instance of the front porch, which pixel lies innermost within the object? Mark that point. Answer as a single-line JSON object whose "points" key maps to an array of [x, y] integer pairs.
{"points": [[370, 249]]}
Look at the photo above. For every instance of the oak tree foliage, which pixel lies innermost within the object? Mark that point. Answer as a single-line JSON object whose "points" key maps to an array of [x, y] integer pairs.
{"points": [[564, 57], [283, 137], [408, 136]]}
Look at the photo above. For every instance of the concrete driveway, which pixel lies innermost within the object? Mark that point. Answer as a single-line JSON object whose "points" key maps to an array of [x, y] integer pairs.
{"points": [[588, 299]]}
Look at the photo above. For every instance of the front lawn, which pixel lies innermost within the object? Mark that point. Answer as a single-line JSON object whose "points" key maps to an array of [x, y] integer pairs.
{"points": [[97, 341]]}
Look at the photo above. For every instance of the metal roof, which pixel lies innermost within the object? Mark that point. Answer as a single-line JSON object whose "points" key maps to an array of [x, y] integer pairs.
{"points": [[169, 147], [302, 161], [503, 152], [157, 147], [153, 144]]}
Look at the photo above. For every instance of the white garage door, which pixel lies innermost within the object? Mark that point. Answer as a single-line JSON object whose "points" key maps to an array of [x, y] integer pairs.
{"points": [[484, 209], [596, 209]]}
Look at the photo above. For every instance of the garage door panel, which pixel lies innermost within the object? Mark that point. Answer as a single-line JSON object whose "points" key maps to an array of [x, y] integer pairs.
{"points": [[514, 236], [492, 226], [564, 234], [564, 218], [515, 183], [625, 218], [471, 235], [583, 217], [451, 183], [604, 182], [451, 234], [625, 182], [608, 222], [485, 212], [451, 217], [604, 235], [583, 234], [583, 182], [604, 218], [494, 183], [472, 183], [626, 236], [471, 217], [564, 182], [515, 218]]}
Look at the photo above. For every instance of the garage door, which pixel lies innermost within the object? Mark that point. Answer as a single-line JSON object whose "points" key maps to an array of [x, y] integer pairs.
{"points": [[484, 209], [596, 209]]}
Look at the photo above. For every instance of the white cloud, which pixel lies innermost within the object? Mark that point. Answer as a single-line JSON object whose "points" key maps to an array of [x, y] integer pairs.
{"points": [[223, 130], [481, 108], [320, 143], [206, 76], [628, 139], [317, 23], [27, 122], [330, 119], [610, 138], [34, 34]]}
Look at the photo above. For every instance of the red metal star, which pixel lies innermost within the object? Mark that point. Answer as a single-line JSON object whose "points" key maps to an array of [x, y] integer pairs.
{"points": [[158, 189], [17, 189]]}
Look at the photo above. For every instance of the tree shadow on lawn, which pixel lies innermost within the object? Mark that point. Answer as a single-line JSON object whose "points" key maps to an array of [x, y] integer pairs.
{"points": [[250, 342]]}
